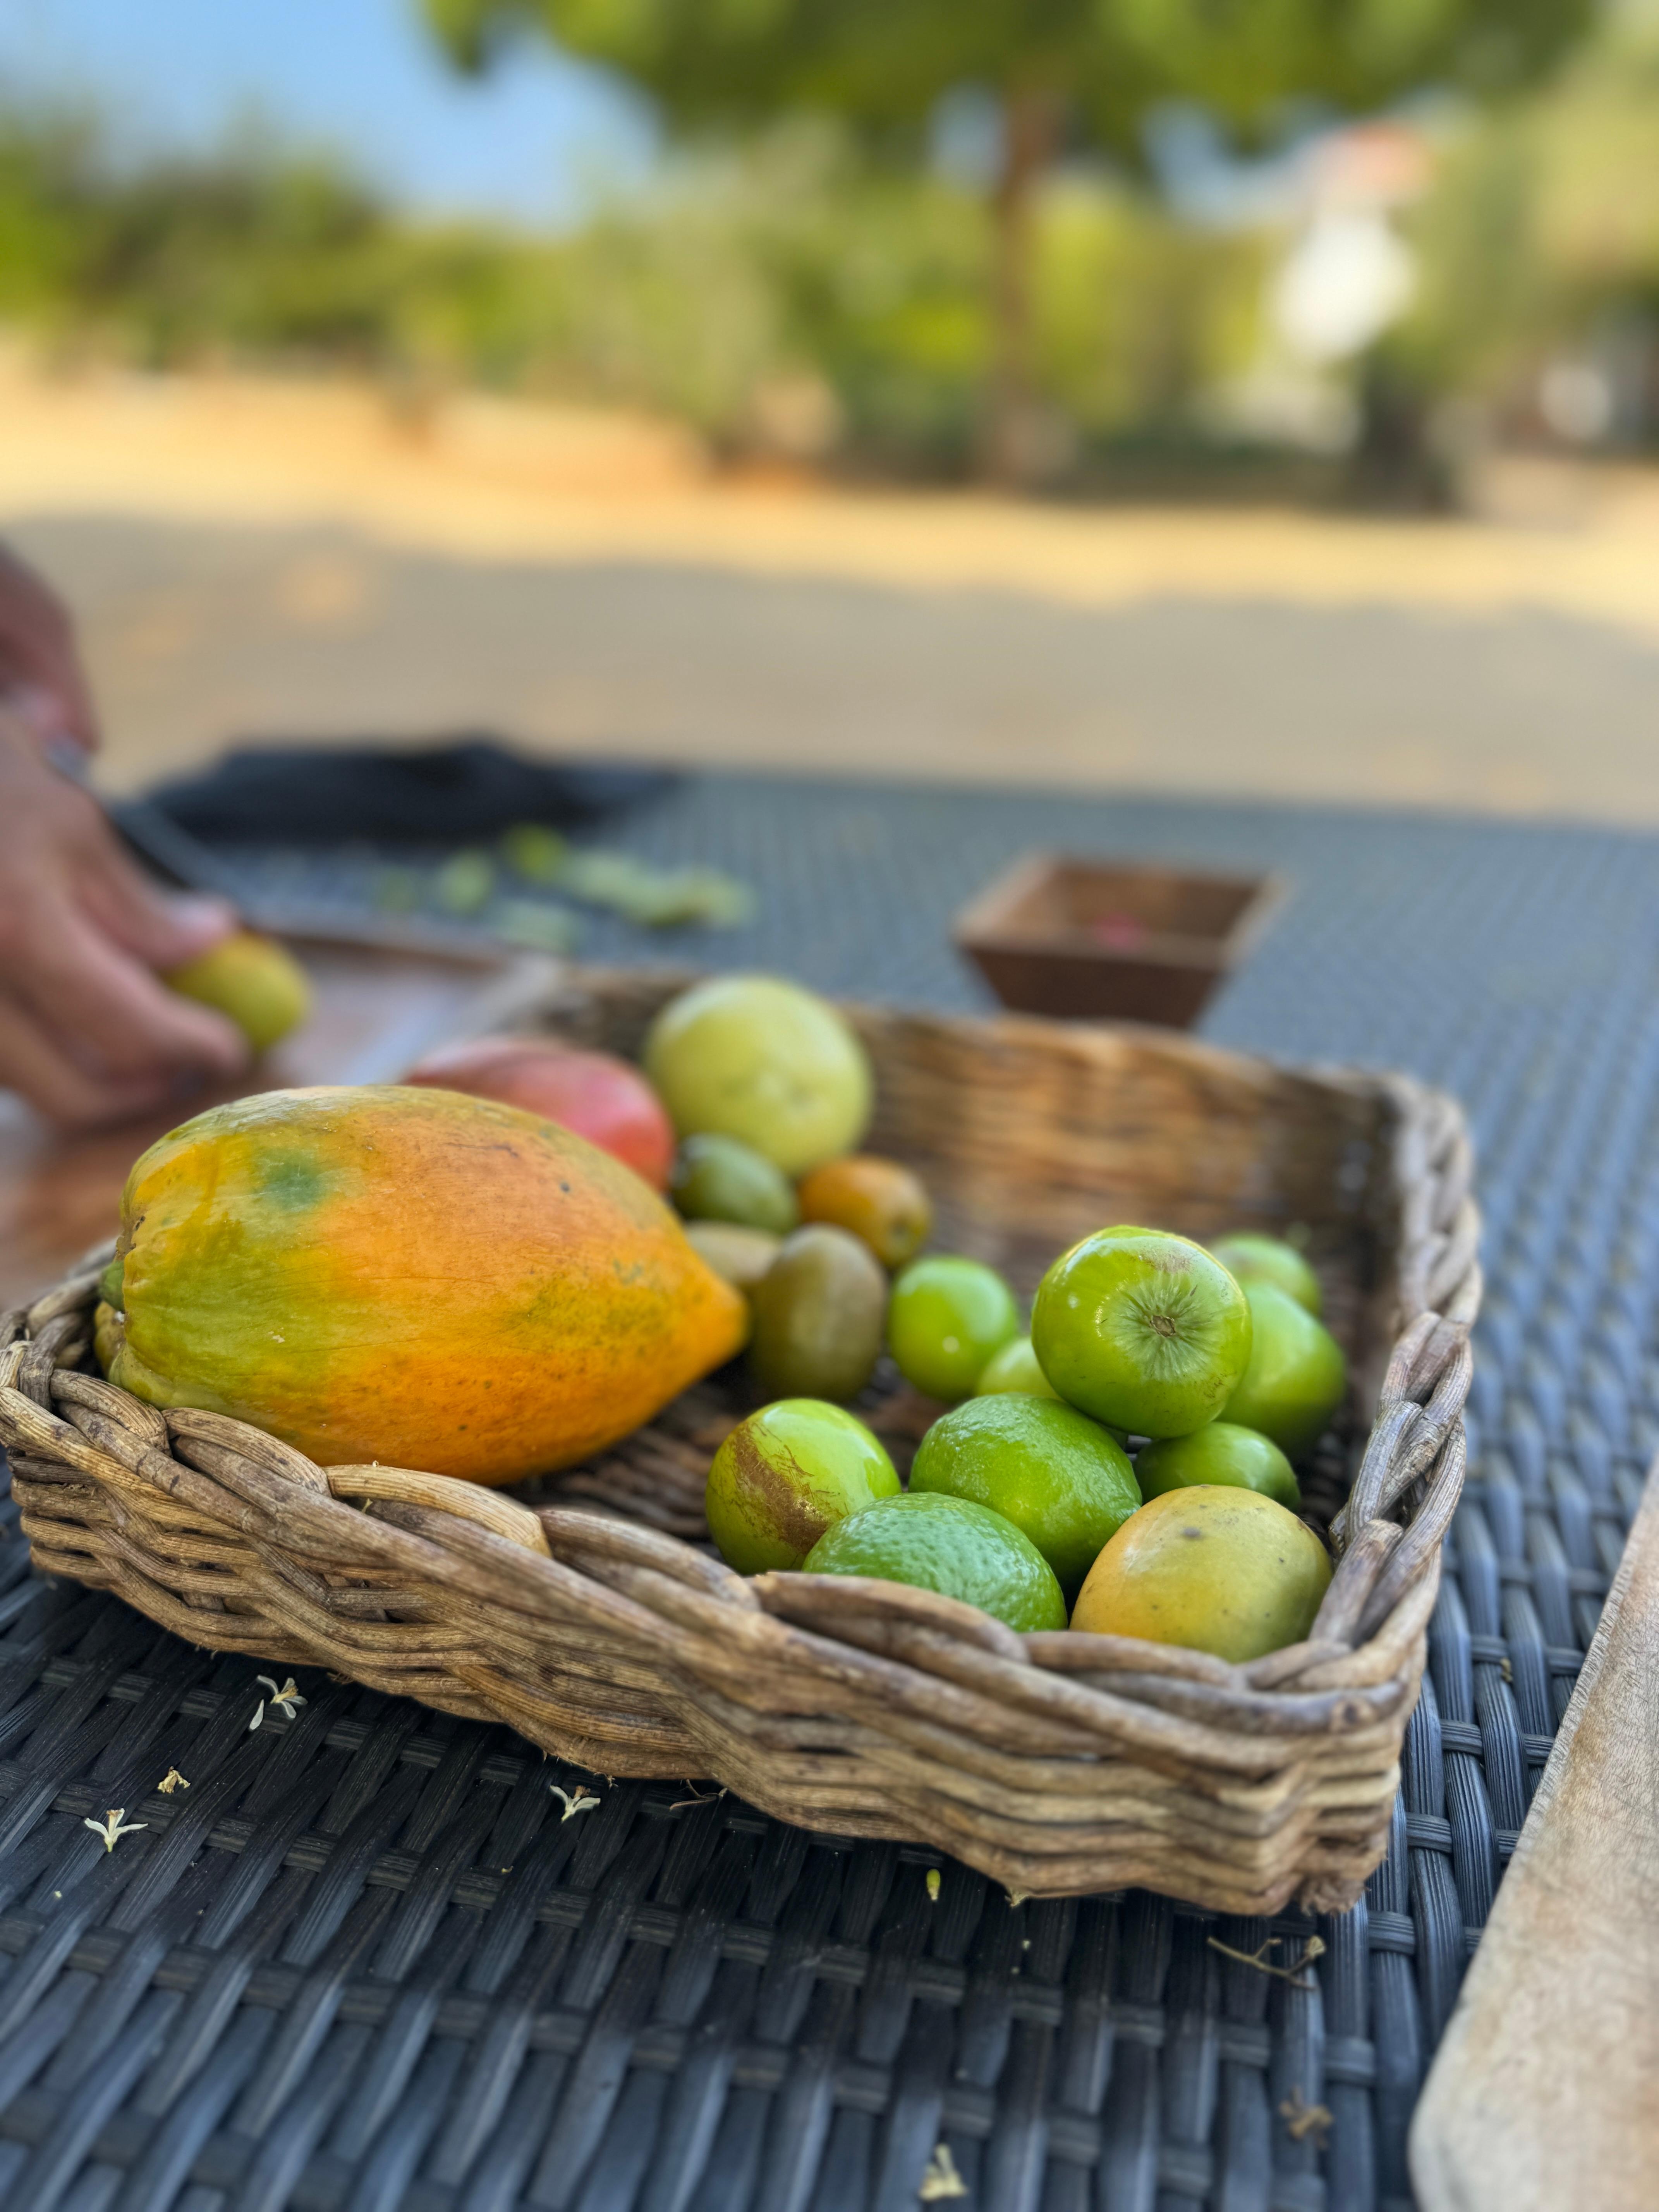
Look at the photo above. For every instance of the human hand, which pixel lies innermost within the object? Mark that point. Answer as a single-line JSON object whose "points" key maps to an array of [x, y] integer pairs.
{"points": [[39, 665], [88, 1032]]}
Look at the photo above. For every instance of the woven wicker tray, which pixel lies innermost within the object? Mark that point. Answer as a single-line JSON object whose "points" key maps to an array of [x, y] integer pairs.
{"points": [[585, 1618]]}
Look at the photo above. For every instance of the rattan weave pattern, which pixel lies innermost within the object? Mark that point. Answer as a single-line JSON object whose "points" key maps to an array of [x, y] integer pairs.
{"points": [[708, 2010]]}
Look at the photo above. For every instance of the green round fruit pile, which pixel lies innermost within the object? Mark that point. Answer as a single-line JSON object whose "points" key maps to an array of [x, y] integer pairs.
{"points": [[1132, 1459], [1127, 1451]]}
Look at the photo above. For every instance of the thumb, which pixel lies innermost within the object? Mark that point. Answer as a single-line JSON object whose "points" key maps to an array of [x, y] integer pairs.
{"points": [[162, 928], [189, 923]]}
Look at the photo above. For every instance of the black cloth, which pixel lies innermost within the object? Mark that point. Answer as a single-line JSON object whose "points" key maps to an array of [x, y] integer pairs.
{"points": [[447, 792]]}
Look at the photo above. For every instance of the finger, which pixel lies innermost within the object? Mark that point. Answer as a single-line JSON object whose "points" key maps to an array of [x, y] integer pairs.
{"points": [[34, 1064], [38, 646], [110, 1009], [163, 928]]}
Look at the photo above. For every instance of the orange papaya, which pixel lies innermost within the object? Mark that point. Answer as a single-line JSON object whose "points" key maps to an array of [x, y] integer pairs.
{"points": [[409, 1276]]}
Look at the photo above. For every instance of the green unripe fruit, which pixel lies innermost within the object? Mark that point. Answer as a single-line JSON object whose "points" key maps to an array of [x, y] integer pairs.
{"points": [[256, 982], [818, 1312], [719, 1179], [950, 1546], [1249, 1259], [1053, 1471], [1146, 1331], [946, 1317], [1220, 1453], [786, 1475], [1297, 1376], [1016, 1368]]}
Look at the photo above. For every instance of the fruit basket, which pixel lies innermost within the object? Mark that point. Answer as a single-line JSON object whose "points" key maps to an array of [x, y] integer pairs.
{"points": [[584, 1610]]}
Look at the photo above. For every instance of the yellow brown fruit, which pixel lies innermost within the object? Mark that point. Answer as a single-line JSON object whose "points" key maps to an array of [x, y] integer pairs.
{"points": [[253, 980], [409, 1276], [1217, 1567], [880, 1200]]}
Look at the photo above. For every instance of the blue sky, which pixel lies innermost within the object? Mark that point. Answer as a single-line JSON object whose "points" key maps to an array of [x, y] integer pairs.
{"points": [[535, 141]]}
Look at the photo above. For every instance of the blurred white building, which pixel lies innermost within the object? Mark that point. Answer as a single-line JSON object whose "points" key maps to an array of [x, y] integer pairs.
{"points": [[1345, 272]]}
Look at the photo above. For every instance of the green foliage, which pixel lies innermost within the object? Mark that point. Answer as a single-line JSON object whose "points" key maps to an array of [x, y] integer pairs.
{"points": [[796, 259], [1544, 226], [886, 62]]}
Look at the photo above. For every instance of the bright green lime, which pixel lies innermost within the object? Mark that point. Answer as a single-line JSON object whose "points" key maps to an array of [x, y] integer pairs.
{"points": [[785, 1475], [1249, 1259], [721, 1179], [1050, 1470], [950, 1546], [1296, 1374], [1221, 1452], [945, 1319], [1016, 1367], [1144, 1330]]}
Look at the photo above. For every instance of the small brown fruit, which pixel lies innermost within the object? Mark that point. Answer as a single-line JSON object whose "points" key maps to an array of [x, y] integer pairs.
{"points": [[880, 1200]]}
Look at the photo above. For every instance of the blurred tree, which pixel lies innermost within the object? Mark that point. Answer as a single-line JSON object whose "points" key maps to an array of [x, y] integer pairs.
{"points": [[1539, 244], [1060, 70]]}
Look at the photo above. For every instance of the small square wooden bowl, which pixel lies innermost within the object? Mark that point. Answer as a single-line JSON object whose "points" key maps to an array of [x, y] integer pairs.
{"points": [[1101, 940]]}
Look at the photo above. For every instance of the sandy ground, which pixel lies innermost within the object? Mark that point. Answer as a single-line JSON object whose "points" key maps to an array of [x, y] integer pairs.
{"points": [[249, 557]]}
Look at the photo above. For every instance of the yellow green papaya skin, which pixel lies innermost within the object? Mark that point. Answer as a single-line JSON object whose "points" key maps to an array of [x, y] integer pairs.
{"points": [[409, 1276]]}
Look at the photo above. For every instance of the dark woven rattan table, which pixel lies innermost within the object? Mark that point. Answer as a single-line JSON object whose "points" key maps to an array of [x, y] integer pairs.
{"points": [[365, 1960]]}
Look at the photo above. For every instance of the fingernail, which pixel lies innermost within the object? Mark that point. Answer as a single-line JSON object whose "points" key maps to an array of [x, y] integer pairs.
{"points": [[201, 917]]}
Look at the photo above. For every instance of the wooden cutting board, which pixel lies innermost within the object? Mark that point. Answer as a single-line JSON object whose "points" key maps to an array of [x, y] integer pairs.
{"points": [[1545, 2094], [380, 1004]]}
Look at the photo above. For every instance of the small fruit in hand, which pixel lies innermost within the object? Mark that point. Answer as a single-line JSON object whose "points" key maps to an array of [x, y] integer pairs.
{"points": [[1296, 1374], [785, 1475], [602, 1099], [719, 1179], [945, 1319], [1142, 1329], [740, 1256], [1050, 1470], [880, 1200], [1249, 1259], [1221, 1570], [1220, 1452], [1016, 1367], [951, 1545], [819, 1312], [253, 980], [754, 1057]]}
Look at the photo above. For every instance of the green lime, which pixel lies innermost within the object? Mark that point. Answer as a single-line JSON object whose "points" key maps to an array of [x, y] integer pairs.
{"points": [[1050, 1470], [1016, 1367], [785, 1475], [1144, 1330], [944, 1319], [722, 1179], [1296, 1374], [1220, 1453], [1249, 1259], [950, 1546]]}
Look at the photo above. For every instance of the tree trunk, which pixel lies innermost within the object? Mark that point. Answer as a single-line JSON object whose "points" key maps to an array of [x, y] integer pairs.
{"points": [[1013, 426]]}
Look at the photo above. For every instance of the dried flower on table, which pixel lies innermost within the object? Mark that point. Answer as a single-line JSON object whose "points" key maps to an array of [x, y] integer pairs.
{"points": [[286, 1699], [172, 1780], [583, 1801], [113, 1826], [941, 2179]]}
